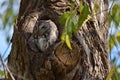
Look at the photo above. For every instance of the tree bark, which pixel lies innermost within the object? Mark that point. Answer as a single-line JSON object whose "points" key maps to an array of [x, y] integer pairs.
{"points": [[88, 60]]}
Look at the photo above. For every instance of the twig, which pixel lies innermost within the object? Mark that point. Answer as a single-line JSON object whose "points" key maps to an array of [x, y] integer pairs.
{"points": [[7, 68]]}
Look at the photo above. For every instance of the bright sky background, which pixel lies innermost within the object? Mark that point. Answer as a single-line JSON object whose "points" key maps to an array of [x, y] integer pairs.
{"points": [[8, 31]]}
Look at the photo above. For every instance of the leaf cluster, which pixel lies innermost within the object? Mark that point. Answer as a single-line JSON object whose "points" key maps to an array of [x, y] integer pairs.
{"points": [[72, 22]]}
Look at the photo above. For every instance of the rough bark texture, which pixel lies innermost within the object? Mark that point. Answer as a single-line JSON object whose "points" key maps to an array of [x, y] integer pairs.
{"points": [[87, 61]]}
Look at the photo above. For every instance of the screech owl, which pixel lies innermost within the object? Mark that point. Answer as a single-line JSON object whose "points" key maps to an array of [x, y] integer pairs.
{"points": [[45, 34]]}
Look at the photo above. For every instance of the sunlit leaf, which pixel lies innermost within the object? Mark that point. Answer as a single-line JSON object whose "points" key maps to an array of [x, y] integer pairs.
{"points": [[112, 40], [118, 37], [63, 36], [81, 7], [68, 42]]}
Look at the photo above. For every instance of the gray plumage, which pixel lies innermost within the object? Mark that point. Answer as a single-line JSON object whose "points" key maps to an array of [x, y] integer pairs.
{"points": [[45, 34]]}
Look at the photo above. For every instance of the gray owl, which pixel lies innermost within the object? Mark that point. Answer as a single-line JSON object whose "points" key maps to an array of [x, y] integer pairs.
{"points": [[45, 34]]}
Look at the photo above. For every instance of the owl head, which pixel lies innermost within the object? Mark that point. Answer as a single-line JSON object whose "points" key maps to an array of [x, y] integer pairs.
{"points": [[45, 33]]}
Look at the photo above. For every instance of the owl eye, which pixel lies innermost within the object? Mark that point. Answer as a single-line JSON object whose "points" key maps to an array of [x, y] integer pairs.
{"points": [[44, 27], [46, 35]]}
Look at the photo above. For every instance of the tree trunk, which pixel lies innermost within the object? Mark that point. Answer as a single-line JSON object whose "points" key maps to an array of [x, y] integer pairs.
{"points": [[88, 60]]}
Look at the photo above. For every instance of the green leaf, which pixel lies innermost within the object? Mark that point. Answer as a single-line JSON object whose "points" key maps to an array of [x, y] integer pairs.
{"points": [[68, 42], [115, 14], [112, 62], [69, 33], [110, 47], [83, 16], [114, 9], [71, 21], [7, 16], [64, 17], [73, 26], [63, 36], [3, 3], [117, 18], [109, 19], [81, 7], [118, 37], [111, 73], [69, 28], [112, 42], [2, 73], [116, 74], [72, 6], [8, 39], [96, 7]]}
